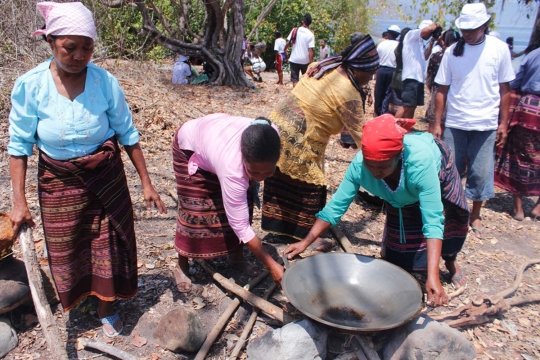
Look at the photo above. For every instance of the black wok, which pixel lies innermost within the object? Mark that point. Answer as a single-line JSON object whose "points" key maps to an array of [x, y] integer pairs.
{"points": [[352, 292]]}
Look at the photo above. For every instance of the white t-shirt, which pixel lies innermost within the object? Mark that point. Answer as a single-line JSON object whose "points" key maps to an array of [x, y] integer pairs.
{"points": [[279, 45], [414, 63], [473, 97], [305, 40], [386, 51], [181, 71]]}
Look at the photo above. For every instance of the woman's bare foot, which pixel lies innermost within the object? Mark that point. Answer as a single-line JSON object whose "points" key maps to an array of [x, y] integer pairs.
{"points": [[238, 260], [180, 271]]}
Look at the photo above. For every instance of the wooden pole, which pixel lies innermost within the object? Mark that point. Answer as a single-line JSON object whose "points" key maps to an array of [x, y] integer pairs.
{"points": [[342, 239], [265, 306], [43, 310], [107, 349], [224, 318]]}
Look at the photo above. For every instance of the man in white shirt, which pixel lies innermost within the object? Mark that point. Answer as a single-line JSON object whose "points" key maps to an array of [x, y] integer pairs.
{"points": [[387, 65], [302, 41], [181, 70], [324, 50], [279, 50], [473, 82], [414, 68]]}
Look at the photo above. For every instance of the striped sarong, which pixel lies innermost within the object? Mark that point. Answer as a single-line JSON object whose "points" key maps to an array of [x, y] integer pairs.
{"points": [[517, 167], [411, 255], [202, 227], [88, 224], [290, 205]]}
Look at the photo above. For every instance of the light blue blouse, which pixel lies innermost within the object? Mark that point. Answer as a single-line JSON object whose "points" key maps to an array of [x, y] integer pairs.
{"points": [[65, 129], [419, 183]]}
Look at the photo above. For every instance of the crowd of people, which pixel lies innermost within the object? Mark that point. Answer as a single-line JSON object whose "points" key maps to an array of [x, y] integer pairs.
{"points": [[77, 116]]}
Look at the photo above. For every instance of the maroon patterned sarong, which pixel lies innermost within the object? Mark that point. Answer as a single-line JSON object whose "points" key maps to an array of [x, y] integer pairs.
{"points": [[88, 223], [202, 227]]}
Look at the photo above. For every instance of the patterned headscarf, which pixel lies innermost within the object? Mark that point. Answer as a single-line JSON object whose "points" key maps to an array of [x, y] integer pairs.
{"points": [[362, 55], [382, 137], [66, 19]]}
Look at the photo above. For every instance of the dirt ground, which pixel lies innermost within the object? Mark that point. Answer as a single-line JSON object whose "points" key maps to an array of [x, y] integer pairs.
{"points": [[159, 108]]}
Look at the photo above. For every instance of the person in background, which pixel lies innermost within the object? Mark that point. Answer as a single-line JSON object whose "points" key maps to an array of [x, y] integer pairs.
{"points": [[414, 67], [434, 45], [302, 41], [257, 64], [474, 85], [384, 36], [426, 210], [325, 101], [448, 38], [385, 72], [517, 166], [510, 43], [281, 56], [217, 159], [324, 50], [395, 102], [181, 70], [76, 114]]}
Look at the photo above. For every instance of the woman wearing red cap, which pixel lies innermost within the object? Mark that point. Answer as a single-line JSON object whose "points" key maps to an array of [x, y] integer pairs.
{"points": [[427, 214]]}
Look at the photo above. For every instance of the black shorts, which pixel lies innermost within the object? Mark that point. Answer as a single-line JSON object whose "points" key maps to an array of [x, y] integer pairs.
{"points": [[412, 94], [295, 71]]}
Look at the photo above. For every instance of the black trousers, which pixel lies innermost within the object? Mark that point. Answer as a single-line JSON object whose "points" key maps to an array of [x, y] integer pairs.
{"points": [[382, 89]]}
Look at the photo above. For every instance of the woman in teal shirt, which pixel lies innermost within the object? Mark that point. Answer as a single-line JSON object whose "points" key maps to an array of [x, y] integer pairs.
{"points": [[427, 213]]}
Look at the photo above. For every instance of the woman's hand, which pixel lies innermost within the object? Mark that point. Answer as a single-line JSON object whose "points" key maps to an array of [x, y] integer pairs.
{"points": [[19, 215], [152, 196], [276, 271], [435, 292], [296, 248]]}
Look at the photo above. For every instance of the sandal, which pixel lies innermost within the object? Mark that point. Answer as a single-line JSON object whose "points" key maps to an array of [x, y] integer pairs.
{"points": [[111, 321], [246, 267], [457, 280], [480, 233], [183, 282]]}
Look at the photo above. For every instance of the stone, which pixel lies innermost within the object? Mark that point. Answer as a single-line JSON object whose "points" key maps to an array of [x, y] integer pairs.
{"points": [[180, 330], [13, 294], [8, 338], [299, 340], [425, 338], [347, 356]]}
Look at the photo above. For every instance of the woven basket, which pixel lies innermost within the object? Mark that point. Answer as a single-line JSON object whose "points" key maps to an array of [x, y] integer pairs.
{"points": [[6, 236]]}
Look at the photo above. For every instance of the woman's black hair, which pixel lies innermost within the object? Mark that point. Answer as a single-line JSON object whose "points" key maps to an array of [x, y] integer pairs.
{"points": [[460, 46], [449, 37], [399, 49], [277, 34], [260, 143]]}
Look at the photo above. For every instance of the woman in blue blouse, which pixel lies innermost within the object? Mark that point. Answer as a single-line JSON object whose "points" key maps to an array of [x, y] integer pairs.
{"points": [[427, 214], [76, 114]]}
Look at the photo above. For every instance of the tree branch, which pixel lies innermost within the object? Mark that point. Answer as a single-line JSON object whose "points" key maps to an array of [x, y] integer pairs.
{"points": [[261, 16], [115, 4]]}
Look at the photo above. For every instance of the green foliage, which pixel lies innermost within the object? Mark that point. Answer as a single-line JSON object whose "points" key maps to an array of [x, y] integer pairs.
{"points": [[443, 11]]}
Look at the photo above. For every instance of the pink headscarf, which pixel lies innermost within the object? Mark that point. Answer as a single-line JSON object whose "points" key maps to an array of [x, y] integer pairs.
{"points": [[66, 19], [382, 137]]}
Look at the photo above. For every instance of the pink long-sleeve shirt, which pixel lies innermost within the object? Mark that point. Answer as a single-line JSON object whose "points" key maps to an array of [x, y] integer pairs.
{"points": [[215, 141]]}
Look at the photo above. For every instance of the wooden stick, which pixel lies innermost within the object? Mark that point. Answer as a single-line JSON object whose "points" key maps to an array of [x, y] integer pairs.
{"points": [[107, 349], [249, 325], [368, 351], [43, 310], [519, 276], [342, 239], [265, 306], [224, 318]]}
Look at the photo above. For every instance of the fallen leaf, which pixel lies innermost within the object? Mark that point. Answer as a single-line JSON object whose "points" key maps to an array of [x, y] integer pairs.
{"points": [[79, 345], [155, 356], [232, 337], [139, 264], [150, 266], [138, 341], [494, 241], [198, 303], [526, 323]]}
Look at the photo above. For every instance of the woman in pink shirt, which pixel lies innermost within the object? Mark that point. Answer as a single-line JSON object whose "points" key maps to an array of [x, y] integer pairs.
{"points": [[217, 158]]}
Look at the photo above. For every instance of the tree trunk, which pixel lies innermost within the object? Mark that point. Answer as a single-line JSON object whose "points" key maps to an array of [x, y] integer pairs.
{"points": [[219, 45], [535, 36]]}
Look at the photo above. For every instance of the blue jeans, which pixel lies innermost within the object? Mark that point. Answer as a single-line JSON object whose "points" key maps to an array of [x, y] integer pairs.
{"points": [[474, 152]]}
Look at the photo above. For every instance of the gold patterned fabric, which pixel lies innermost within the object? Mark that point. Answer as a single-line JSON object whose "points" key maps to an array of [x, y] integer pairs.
{"points": [[315, 110]]}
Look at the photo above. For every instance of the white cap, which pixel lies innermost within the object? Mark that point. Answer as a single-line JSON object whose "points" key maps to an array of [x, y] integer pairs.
{"points": [[425, 24], [182, 58], [472, 16], [394, 28]]}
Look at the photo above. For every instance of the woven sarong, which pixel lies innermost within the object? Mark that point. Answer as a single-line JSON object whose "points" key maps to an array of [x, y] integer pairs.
{"points": [[517, 166], [289, 205], [88, 223], [202, 227], [411, 255]]}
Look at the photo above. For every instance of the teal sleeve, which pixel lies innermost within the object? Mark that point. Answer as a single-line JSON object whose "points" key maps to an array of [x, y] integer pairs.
{"points": [[120, 119], [426, 179], [23, 120], [344, 195]]}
